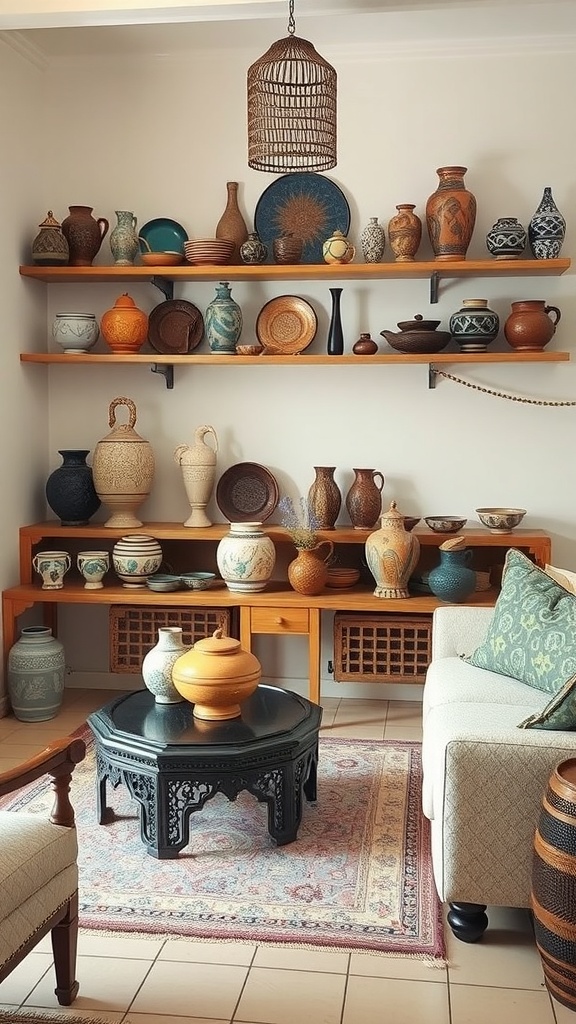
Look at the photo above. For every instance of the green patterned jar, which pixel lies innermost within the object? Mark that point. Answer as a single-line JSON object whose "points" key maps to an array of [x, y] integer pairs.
{"points": [[36, 666], [223, 321]]}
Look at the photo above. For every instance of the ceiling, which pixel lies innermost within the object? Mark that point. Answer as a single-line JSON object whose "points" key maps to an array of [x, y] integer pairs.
{"points": [[256, 24]]}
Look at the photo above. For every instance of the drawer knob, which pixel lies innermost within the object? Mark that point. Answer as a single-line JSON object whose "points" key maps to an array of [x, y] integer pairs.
{"points": [[279, 620]]}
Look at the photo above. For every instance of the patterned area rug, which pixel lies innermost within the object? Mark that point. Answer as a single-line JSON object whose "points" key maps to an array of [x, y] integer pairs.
{"points": [[358, 877]]}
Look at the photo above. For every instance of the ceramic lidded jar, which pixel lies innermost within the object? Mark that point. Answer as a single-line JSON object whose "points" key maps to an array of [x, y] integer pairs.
{"points": [[35, 675], [223, 321], [337, 249], [50, 248], [531, 325], [392, 554], [123, 468], [84, 234], [124, 327], [198, 464], [216, 675], [246, 557]]}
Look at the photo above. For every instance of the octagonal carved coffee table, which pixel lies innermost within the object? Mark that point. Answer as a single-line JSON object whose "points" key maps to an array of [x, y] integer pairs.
{"points": [[172, 763]]}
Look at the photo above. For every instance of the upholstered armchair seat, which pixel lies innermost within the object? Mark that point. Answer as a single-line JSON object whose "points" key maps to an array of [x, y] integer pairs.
{"points": [[38, 869]]}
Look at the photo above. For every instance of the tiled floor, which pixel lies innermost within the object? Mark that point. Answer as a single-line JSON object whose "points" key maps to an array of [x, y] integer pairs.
{"points": [[155, 981]]}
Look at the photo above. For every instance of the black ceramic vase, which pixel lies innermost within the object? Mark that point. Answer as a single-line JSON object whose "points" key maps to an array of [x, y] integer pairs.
{"points": [[335, 335], [70, 489]]}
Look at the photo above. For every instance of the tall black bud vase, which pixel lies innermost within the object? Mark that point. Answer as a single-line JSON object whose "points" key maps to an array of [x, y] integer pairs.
{"points": [[335, 335]]}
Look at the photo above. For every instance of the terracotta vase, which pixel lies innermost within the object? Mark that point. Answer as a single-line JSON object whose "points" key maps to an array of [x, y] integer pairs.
{"points": [[123, 468], [308, 573], [124, 327], [364, 499], [450, 215], [405, 233], [392, 554], [198, 464], [531, 325], [232, 224], [50, 248], [553, 895], [84, 235], [324, 498]]}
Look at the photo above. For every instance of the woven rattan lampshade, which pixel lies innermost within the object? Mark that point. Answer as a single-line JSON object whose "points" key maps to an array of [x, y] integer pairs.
{"points": [[291, 108]]}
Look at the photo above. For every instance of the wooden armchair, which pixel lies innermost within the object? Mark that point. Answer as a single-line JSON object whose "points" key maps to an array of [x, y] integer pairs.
{"points": [[38, 869]]}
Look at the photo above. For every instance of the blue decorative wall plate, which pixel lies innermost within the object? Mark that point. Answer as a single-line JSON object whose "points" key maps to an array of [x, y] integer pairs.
{"points": [[304, 204]]}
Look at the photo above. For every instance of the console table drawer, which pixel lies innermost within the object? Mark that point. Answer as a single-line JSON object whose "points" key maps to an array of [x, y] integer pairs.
{"points": [[279, 620]]}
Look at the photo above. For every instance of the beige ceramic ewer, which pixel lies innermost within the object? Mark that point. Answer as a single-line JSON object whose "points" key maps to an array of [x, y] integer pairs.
{"points": [[123, 468], [198, 464], [392, 554]]}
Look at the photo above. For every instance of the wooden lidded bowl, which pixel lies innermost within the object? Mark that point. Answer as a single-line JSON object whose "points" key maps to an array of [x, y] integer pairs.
{"points": [[215, 675]]}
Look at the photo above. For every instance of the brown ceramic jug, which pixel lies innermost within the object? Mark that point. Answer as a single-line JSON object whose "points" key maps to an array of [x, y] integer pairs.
{"points": [[308, 573], [84, 235], [530, 325], [364, 501]]}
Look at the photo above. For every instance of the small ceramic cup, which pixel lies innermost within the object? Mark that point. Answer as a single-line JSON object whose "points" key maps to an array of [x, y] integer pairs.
{"points": [[93, 565], [52, 567]]}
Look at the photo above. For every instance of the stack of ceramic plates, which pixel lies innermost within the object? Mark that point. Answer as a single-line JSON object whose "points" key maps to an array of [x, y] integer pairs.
{"points": [[209, 251], [340, 579]]}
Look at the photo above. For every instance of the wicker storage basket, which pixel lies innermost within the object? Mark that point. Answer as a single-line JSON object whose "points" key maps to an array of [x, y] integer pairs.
{"points": [[133, 630], [381, 648]]}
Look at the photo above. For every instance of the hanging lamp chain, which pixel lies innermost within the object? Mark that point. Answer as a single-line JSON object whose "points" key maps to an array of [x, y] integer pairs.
{"points": [[291, 22]]}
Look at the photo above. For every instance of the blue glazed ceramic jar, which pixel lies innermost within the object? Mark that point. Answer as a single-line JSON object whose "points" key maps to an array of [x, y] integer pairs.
{"points": [[452, 580], [223, 321]]}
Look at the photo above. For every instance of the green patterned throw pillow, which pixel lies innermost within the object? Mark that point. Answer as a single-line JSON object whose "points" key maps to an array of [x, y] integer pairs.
{"points": [[532, 635], [559, 713]]}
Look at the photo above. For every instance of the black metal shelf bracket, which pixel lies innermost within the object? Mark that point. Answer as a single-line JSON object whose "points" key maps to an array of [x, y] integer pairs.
{"points": [[165, 285], [434, 282], [432, 373], [167, 371]]}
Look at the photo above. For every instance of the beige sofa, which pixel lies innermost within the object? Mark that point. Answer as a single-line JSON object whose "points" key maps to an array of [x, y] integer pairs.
{"points": [[483, 776]]}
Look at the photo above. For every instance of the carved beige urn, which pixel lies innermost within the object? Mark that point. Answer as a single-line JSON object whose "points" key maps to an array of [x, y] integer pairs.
{"points": [[198, 464], [123, 468]]}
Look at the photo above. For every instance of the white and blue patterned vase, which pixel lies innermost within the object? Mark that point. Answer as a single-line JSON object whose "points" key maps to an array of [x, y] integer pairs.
{"points": [[223, 321], [506, 239], [246, 557], [157, 665], [547, 229], [474, 326]]}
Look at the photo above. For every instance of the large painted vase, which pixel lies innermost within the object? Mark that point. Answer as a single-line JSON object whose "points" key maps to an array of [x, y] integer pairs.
{"points": [[392, 554]]}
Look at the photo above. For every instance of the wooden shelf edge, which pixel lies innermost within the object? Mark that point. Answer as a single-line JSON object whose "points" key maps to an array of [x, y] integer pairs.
{"points": [[381, 359], [302, 271]]}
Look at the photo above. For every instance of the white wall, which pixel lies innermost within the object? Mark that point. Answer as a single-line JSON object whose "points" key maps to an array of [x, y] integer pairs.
{"points": [[162, 136]]}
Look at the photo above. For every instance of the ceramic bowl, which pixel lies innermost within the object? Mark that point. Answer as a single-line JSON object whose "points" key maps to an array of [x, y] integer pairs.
{"points": [[198, 580], [249, 350], [340, 579], [163, 582], [445, 524], [500, 520], [75, 332], [209, 251], [161, 259], [410, 522]]}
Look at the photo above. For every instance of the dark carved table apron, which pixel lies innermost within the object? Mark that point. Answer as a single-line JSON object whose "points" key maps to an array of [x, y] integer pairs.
{"points": [[172, 763]]}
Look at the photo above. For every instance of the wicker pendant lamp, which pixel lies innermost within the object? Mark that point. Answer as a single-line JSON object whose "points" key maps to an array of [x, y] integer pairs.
{"points": [[291, 107]]}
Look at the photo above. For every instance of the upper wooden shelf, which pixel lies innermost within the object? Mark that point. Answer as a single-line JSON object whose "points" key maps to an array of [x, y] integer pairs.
{"points": [[302, 271], [300, 360]]}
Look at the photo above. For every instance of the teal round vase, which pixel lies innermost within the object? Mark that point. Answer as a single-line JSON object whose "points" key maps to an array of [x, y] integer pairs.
{"points": [[223, 321], [452, 580], [36, 665]]}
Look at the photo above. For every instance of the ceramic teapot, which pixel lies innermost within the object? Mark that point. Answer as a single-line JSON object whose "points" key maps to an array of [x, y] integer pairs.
{"points": [[418, 336]]}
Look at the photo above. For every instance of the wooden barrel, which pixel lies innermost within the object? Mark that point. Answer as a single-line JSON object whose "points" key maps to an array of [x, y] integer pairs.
{"points": [[554, 884]]}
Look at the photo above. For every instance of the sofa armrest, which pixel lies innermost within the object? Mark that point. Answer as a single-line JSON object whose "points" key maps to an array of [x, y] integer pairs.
{"points": [[458, 629], [58, 761]]}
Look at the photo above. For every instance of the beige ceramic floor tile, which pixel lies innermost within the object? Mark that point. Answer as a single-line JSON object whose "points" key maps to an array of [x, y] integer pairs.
{"points": [[475, 1005], [564, 1015], [324, 960], [207, 990], [330, 703], [284, 997], [186, 951], [91, 943], [162, 1018], [376, 710], [505, 957], [409, 968], [374, 1000], [24, 978], [101, 988], [355, 730], [403, 732], [404, 713]]}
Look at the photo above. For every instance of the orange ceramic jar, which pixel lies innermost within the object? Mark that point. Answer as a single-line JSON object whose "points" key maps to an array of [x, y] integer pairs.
{"points": [[124, 327], [216, 674]]}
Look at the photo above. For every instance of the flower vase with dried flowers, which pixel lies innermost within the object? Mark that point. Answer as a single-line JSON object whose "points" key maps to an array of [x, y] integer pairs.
{"points": [[308, 573]]}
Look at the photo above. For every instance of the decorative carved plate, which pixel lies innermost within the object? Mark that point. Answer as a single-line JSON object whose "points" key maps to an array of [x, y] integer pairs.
{"points": [[305, 204], [247, 492], [175, 327], [286, 325]]}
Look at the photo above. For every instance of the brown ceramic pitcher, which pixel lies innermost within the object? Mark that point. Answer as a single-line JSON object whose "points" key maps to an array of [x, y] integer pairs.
{"points": [[84, 235], [364, 501], [531, 325]]}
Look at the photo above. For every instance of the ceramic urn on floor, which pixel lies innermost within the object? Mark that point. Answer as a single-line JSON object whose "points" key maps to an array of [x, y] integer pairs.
{"points": [[392, 554]]}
